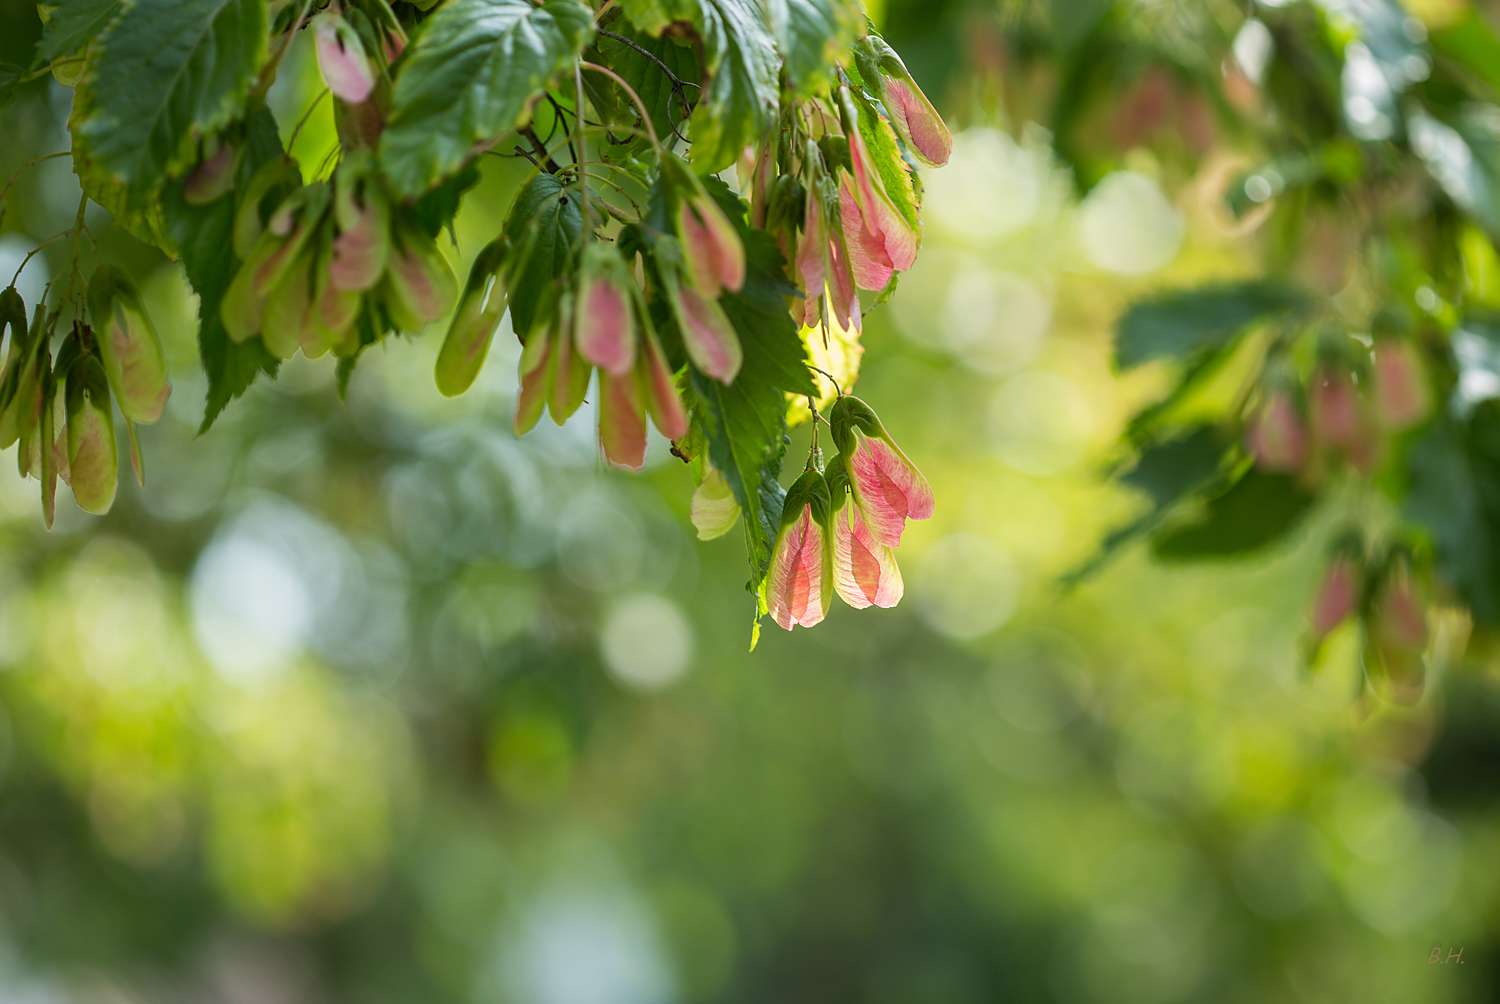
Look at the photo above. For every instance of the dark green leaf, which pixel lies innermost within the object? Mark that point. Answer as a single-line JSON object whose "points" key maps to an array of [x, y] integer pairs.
{"points": [[739, 101], [1256, 510], [1180, 324], [474, 73], [166, 73], [545, 225], [650, 81], [438, 207], [1455, 494], [204, 234], [10, 83], [1166, 472], [811, 35], [72, 25], [1470, 42]]}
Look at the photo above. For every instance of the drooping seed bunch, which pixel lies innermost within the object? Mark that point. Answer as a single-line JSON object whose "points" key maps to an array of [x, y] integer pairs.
{"points": [[1388, 595], [60, 410], [624, 263]]}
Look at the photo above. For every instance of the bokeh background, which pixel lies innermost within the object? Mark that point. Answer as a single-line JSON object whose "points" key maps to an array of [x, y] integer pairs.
{"points": [[372, 702]]}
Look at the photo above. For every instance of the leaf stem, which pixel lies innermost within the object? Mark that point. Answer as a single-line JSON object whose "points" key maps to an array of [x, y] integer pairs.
{"points": [[578, 155], [17, 174], [42, 71], [30, 254], [817, 369], [639, 104], [547, 163]]}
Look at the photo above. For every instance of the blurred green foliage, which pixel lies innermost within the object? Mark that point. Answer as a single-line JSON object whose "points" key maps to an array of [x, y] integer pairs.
{"points": [[372, 702]]}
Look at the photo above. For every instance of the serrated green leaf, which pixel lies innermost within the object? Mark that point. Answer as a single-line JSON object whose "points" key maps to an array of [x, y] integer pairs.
{"points": [[166, 73], [810, 35], [438, 207], [739, 101], [11, 76], [71, 25], [1255, 511], [205, 237], [1180, 324], [545, 225], [649, 81], [1470, 42], [472, 74], [885, 152]]}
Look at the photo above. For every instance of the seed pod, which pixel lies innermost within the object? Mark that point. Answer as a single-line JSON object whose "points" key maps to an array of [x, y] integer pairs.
{"points": [[886, 486], [714, 509], [212, 179], [1277, 437], [1400, 384], [713, 248], [92, 456], [604, 328], [268, 187], [662, 399], [47, 444], [800, 580], [569, 378], [714, 253], [918, 124], [419, 286], [13, 316], [474, 323], [341, 58], [1397, 636], [128, 345], [1339, 416], [864, 569], [25, 412], [536, 359], [363, 247], [287, 310], [878, 214], [622, 425], [1338, 594]]}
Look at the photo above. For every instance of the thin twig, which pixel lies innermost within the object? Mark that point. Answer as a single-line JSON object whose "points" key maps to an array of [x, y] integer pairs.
{"points": [[42, 71], [557, 119], [583, 177], [677, 82], [17, 174], [547, 163], [30, 254]]}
